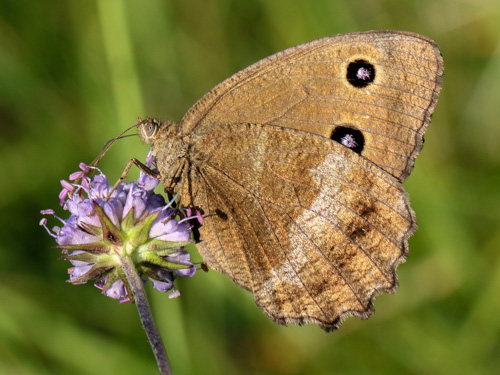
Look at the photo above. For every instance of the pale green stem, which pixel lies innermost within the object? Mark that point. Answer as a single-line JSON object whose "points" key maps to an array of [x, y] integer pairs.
{"points": [[141, 301]]}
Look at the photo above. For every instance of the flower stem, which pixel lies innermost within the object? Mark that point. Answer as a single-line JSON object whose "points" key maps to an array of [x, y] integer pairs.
{"points": [[141, 301]]}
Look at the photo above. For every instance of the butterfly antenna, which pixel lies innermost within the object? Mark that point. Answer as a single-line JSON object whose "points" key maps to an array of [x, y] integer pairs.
{"points": [[110, 143]]}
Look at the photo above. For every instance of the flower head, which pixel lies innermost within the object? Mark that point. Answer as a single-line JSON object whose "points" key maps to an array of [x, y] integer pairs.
{"points": [[107, 224]]}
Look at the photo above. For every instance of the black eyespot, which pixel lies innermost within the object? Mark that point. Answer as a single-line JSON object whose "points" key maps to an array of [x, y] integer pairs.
{"points": [[221, 214], [360, 73], [349, 137]]}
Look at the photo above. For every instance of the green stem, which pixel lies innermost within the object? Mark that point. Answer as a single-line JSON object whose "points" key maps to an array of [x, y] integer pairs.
{"points": [[141, 301]]}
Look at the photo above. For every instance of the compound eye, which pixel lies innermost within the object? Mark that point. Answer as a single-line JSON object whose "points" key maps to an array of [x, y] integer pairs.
{"points": [[150, 129], [150, 126]]}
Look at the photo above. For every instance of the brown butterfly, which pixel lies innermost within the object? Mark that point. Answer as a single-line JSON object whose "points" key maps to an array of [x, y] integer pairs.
{"points": [[297, 163]]}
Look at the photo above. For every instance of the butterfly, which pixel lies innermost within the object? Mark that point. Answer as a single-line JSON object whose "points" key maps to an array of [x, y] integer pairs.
{"points": [[297, 164]]}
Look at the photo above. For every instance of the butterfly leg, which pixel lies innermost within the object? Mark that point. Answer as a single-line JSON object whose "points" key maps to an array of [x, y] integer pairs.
{"points": [[139, 165]]}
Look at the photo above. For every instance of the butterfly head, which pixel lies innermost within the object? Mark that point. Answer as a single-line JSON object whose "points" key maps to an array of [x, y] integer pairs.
{"points": [[148, 130]]}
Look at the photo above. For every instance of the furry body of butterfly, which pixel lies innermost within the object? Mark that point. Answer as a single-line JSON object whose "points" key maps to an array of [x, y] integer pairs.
{"points": [[297, 162]]}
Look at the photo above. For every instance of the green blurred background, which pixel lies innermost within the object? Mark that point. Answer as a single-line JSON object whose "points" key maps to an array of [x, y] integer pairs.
{"points": [[73, 74]]}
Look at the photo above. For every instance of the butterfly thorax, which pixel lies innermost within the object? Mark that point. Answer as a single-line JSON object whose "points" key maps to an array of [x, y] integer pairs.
{"points": [[168, 148]]}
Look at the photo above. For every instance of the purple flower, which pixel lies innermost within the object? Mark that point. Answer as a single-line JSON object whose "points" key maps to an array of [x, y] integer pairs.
{"points": [[108, 223]]}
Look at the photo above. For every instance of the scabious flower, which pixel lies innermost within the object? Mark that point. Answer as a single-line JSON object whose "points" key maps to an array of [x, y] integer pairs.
{"points": [[107, 224]]}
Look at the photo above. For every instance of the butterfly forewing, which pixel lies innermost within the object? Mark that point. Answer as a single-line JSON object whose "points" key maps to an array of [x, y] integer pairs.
{"points": [[306, 88]]}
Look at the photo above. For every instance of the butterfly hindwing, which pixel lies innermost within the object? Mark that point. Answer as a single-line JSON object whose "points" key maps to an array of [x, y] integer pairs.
{"points": [[287, 219]]}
